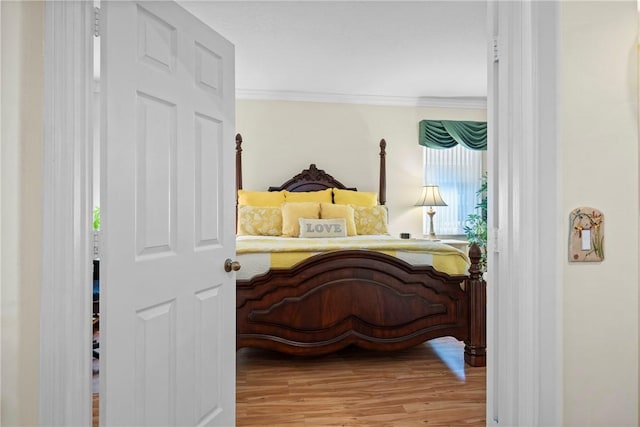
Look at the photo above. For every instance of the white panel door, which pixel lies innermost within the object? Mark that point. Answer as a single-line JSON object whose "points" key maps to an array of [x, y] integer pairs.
{"points": [[168, 323]]}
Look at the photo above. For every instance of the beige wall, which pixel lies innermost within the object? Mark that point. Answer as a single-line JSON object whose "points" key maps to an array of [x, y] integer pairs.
{"points": [[599, 145], [22, 96], [283, 137], [599, 165]]}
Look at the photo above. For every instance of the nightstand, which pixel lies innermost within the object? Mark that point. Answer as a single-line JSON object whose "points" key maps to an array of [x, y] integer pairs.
{"points": [[463, 245]]}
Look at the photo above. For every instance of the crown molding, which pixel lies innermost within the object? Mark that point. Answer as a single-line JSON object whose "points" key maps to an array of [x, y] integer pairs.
{"points": [[479, 102], [403, 101]]}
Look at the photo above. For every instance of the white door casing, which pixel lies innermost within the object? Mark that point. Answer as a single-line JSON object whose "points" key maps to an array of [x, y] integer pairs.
{"points": [[65, 290], [524, 381], [168, 322]]}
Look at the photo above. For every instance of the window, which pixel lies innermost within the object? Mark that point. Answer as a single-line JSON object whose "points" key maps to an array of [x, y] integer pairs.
{"points": [[458, 172]]}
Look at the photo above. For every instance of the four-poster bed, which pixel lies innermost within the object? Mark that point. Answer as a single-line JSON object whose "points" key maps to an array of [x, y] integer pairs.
{"points": [[357, 296]]}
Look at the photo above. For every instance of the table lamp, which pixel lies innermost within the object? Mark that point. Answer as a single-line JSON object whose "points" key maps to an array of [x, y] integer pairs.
{"points": [[431, 197]]}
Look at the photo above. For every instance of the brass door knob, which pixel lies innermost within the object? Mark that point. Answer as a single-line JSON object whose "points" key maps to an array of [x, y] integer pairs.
{"points": [[231, 265]]}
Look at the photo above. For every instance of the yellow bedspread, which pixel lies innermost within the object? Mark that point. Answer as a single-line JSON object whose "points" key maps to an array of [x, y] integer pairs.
{"points": [[286, 252]]}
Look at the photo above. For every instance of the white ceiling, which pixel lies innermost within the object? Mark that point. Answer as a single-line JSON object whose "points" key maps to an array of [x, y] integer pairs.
{"points": [[381, 51]]}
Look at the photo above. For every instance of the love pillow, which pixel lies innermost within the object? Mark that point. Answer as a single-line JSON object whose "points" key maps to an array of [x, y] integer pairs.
{"points": [[336, 227]]}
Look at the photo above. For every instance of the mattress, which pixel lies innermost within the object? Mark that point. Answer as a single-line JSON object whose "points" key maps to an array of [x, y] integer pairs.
{"points": [[258, 254]]}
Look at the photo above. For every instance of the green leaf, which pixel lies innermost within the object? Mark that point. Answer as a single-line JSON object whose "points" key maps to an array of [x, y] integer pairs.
{"points": [[96, 218]]}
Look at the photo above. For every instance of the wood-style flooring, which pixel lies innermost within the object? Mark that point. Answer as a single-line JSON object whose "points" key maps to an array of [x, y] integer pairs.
{"points": [[427, 385]]}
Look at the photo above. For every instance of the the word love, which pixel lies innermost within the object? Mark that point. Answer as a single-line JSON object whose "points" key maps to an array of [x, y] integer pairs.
{"points": [[324, 228]]}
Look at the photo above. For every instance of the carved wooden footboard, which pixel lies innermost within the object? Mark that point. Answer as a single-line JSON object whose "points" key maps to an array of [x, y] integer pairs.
{"points": [[361, 298]]}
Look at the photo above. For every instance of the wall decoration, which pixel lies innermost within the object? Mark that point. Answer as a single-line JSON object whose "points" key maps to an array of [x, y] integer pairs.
{"points": [[586, 235]]}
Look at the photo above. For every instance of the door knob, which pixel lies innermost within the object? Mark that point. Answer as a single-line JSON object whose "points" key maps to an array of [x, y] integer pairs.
{"points": [[231, 265]]}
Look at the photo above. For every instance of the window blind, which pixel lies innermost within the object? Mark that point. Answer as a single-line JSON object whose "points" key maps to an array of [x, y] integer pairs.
{"points": [[458, 172]]}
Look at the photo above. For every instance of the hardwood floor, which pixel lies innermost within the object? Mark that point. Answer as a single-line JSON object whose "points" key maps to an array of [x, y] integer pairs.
{"points": [[425, 385], [95, 402]]}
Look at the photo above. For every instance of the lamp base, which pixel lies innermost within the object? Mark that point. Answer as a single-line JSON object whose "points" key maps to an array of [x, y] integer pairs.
{"points": [[432, 235]]}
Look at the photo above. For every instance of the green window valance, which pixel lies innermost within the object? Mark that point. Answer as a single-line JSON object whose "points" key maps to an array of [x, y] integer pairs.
{"points": [[449, 133]]}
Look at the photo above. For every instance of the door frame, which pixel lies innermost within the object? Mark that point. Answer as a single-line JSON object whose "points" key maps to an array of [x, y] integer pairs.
{"points": [[528, 335], [524, 312], [65, 326]]}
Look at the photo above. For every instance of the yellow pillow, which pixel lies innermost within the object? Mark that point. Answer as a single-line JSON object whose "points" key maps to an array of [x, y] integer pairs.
{"points": [[331, 211], [357, 198], [291, 212], [308, 196], [261, 198], [370, 220], [259, 221]]}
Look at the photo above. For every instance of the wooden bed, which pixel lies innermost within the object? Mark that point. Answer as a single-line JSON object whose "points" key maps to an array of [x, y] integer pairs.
{"points": [[358, 297]]}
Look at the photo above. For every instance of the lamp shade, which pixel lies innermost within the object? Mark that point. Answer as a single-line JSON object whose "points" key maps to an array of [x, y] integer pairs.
{"points": [[430, 196]]}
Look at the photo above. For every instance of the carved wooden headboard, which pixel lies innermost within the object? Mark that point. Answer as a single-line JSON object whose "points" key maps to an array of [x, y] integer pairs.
{"points": [[314, 179]]}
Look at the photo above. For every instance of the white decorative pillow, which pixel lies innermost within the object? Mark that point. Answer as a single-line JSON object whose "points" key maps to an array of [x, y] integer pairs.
{"points": [[259, 221], [336, 227], [370, 220]]}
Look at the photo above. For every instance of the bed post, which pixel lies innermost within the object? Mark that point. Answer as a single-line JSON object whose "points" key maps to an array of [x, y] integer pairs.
{"points": [[476, 289], [238, 170], [382, 193], [238, 163]]}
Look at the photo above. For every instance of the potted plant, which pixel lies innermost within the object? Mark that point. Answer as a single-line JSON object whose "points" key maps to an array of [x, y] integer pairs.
{"points": [[475, 226]]}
